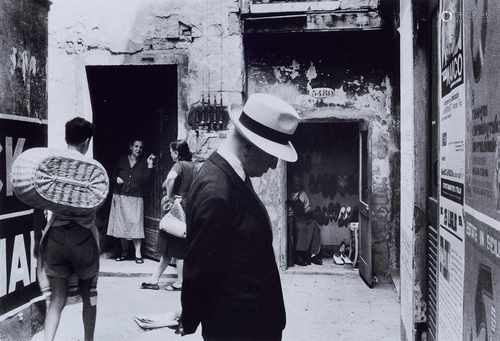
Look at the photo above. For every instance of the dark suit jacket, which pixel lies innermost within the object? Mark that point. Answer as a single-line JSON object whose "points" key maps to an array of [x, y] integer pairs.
{"points": [[231, 281]]}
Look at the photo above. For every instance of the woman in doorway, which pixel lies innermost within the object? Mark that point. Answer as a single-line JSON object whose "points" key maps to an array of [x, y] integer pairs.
{"points": [[177, 182], [126, 217]]}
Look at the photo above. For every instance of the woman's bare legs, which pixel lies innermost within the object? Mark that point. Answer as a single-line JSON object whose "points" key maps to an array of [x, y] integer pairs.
{"points": [[137, 247], [124, 246], [155, 277]]}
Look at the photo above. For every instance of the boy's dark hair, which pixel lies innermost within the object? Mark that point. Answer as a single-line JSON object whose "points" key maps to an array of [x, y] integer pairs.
{"points": [[77, 130]]}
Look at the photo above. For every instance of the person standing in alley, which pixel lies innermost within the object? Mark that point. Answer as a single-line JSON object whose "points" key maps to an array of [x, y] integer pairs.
{"points": [[231, 281], [177, 183], [126, 217]]}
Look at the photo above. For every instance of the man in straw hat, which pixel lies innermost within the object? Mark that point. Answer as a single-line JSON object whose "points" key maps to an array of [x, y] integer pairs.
{"points": [[231, 280]]}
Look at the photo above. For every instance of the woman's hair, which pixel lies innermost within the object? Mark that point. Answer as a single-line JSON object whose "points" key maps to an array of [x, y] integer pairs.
{"points": [[182, 149], [134, 140]]}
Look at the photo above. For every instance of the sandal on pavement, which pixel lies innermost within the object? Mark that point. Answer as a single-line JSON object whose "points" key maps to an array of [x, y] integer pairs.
{"points": [[120, 258], [337, 259], [139, 260], [172, 287], [152, 286], [346, 259]]}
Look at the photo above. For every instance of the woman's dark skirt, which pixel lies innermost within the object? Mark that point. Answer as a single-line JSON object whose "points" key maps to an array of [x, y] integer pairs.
{"points": [[171, 246]]}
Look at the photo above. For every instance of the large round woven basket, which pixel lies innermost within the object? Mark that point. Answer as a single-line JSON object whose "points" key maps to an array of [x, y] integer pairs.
{"points": [[59, 180]]}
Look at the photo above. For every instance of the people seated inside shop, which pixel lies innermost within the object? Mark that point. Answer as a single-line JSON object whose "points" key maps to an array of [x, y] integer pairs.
{"points": [[306, 229]]}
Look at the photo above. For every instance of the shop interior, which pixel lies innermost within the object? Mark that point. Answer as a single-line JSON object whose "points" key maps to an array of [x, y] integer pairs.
{"points": [[129, 102], [328, 167]]}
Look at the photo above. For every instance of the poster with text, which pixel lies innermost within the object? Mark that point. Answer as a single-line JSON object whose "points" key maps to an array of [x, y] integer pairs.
{"points": [[482, 288], [452, 99], [452, 106], [18, 282], [482, 173], [483, 114], [451, 262], [451, 281]]}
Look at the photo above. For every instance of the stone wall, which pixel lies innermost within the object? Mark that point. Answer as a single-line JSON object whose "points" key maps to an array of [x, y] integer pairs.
{"points": [[203, 39], [23, 111], [23, 57]]}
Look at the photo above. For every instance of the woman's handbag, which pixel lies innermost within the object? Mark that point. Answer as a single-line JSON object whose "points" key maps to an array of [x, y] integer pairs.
{"points": [[174, 221]]}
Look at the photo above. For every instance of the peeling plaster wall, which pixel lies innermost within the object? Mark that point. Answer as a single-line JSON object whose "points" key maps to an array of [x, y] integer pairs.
{"points": [[23, 57], [23, 92], [335, 76], [202, 38]]}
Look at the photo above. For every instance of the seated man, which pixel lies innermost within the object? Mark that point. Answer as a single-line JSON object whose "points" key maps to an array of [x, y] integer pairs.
{"points": [[307, 232]]}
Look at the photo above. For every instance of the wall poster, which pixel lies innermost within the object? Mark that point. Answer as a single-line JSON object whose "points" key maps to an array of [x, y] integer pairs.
{"points": [[452, 171], [18, 284], [482, 191]]}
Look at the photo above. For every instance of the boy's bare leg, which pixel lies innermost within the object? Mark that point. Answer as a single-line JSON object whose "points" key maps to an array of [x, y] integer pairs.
{"points": [[88, 292], [56, 303]]}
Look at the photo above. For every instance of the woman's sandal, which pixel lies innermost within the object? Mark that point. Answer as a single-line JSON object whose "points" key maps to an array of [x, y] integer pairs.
{"points": [[139, 260], [173, 287], [152, 286], [120, 258]]}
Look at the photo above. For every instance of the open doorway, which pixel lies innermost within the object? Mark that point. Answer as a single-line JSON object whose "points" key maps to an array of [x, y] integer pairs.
{"points": [[134, 101], [327, 172]]}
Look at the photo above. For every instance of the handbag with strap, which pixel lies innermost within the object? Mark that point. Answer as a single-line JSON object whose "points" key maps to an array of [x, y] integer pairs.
{"points": [[174, 221]]}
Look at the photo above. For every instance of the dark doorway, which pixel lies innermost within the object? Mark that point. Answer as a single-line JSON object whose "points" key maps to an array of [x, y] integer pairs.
{"points": [[328, 169], [134, 101]]}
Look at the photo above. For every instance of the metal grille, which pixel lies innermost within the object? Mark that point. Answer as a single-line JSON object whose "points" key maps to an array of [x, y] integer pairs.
{"points": [[432, 273]]}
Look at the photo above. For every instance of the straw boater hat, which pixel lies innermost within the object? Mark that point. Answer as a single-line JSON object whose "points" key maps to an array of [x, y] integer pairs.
{"points": [[269, 123]]}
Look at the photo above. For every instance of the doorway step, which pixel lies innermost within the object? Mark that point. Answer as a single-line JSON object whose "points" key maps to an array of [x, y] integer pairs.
{"points": [[328, 268]]}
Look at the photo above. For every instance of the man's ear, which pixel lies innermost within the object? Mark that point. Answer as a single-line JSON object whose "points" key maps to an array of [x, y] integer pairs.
{"points": [[248, 149], [86, 144]]}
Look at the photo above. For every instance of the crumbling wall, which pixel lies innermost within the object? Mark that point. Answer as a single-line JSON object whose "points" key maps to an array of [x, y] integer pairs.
{"points": [[331, 76], [202, 38], [23, 111], [23, 57]]}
